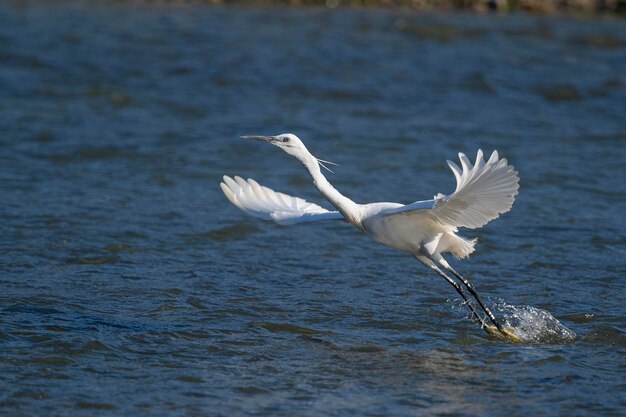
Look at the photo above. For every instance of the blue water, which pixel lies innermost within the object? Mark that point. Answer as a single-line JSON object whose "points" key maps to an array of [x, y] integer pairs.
{"points": [[130, 286]]}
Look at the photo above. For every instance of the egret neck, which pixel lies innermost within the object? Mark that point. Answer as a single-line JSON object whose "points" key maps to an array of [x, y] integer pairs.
{"points": [[350, 210]]}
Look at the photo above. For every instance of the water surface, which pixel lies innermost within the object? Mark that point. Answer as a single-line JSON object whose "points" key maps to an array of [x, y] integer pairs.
{"points": [[130, 286]]}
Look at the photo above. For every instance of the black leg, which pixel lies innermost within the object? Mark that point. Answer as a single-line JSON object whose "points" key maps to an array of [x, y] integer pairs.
{"points": [[472, 291], [458, 289]]}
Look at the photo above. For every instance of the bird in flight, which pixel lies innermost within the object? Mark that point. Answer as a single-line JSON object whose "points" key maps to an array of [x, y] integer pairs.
{"points": [[424, 229]]}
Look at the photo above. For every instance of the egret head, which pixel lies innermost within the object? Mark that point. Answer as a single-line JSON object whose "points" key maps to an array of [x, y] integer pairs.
{"points": [[288, 142]]}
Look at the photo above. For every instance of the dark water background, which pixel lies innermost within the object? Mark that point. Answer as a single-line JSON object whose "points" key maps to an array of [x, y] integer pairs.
{"points": [[130, 286]]}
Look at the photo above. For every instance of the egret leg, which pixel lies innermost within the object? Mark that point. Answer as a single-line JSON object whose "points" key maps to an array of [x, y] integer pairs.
{"points": [[456, 286], [505, 331], [472, 290]]}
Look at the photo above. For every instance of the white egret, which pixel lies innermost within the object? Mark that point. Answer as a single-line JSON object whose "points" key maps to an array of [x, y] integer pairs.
{"points": [[425, 229]]}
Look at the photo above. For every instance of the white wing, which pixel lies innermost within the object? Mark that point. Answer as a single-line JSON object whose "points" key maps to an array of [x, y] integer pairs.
{"points": [[483, 192], [265, 203]]}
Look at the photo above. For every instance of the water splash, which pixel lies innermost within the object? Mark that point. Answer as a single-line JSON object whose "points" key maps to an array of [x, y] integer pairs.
{"points": [[533, 324], [530, 324]]}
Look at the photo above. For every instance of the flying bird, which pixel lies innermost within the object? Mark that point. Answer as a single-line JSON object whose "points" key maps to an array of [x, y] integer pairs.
{"points": [[424, 229]]}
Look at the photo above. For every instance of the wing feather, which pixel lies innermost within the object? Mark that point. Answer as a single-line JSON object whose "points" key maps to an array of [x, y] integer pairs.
{"points": [[483, 192], [265, 203]]}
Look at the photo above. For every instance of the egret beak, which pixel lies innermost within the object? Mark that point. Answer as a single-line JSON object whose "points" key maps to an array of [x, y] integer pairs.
{"points": [[268, 139]]}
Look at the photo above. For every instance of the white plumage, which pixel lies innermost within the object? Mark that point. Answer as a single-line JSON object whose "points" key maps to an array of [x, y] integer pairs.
{"points": [[483, 191], [425, 229], [265, 203]]}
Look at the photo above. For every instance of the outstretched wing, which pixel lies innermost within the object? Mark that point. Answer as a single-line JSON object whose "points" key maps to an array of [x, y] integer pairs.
{"points": [[265, 203], [483, 192]]}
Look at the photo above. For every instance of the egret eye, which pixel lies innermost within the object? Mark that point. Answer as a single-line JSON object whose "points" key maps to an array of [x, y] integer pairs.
{"points": [[286, 139]]}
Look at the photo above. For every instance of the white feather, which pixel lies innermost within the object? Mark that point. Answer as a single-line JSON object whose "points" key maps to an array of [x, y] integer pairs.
{"points": [[265, 203], [483, 192]]}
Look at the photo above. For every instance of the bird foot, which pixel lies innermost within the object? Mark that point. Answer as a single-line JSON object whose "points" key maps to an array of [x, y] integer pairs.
{"points": [[507, 333]]}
